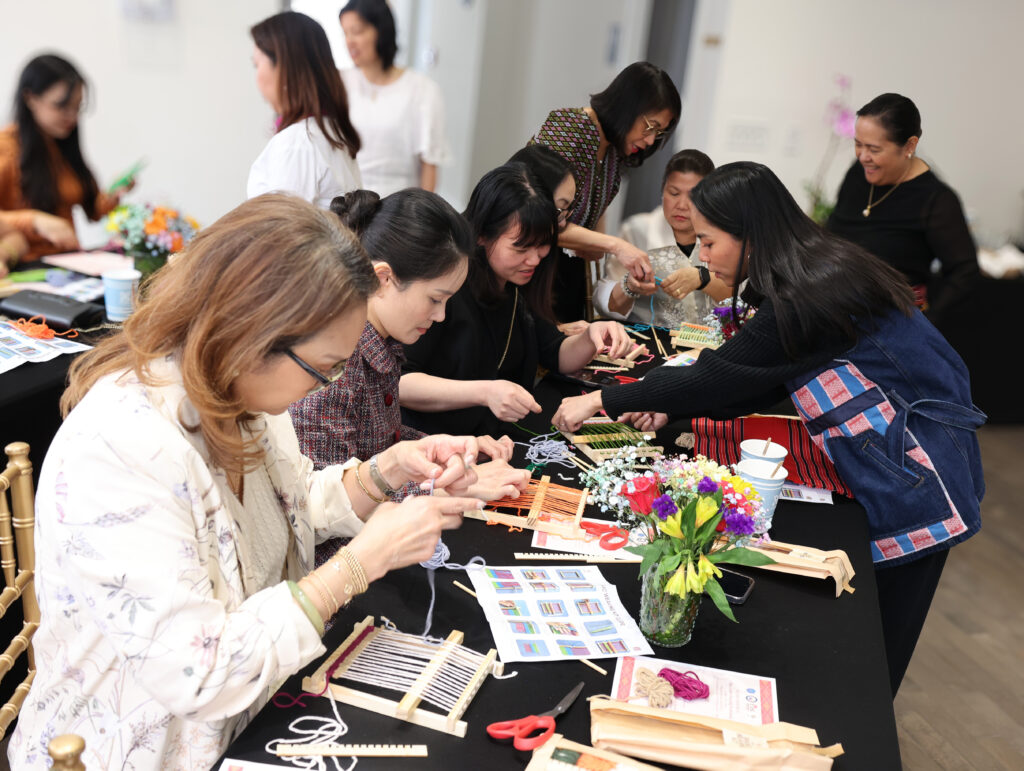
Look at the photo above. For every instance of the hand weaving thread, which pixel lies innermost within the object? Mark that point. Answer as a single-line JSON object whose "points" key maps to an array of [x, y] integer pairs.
{"points": [[562, 505]]}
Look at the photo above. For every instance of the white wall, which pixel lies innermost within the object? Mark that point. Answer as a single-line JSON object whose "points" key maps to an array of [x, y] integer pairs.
{"points": [[179, 92], [765, 88]]}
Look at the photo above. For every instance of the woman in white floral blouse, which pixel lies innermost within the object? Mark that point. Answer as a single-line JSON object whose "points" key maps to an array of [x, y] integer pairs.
{"points": [[176, 517]]}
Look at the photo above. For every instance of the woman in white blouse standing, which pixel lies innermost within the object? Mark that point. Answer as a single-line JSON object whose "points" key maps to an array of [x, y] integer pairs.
{"points": [[398, 112], [313, 153]]}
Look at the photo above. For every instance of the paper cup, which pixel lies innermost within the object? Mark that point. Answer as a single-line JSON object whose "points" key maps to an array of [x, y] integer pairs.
{"points": [[120, 288], [758, 473], [753, 449]]}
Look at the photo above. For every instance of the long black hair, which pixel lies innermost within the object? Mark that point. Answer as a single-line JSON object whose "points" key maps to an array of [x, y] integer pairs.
{"points": [[38, 183], [377, 14], [505, 197], [820, 285], [417, 233], [639, 89], [549, 166]]}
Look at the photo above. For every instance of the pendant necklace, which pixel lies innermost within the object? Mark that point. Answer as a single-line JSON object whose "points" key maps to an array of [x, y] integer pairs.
{"points": [[515, 304], [867, 212]]}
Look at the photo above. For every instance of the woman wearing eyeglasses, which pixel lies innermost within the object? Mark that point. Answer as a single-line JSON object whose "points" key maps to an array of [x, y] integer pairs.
{"points": [[476, 368], [623, 126], [313, 152], [177, 517], [42, 171]]}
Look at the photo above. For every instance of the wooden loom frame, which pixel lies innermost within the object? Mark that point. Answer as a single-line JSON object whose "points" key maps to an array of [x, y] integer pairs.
{"points": [[808, 561], [407, 708], [583, 441], [564, 528], [689, 335]]}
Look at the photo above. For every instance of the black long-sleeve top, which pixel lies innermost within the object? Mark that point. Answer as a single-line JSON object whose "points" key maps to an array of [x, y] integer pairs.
{"points": [[920, 222], [746, 374]]}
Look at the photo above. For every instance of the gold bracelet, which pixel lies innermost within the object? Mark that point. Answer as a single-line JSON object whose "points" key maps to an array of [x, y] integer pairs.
{"points": [[327, 588], [355, 570], [362, 487]]}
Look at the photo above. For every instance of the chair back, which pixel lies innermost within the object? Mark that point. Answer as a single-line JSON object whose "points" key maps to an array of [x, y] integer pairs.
{"points": [[17, 562]]}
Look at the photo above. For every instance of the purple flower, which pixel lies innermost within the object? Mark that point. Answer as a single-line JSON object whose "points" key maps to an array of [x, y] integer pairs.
{"points": [[707, 485], [738, 524], [664, 507]]}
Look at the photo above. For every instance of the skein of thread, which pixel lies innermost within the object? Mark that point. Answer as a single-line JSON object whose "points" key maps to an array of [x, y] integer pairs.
{"points": [[657, 689], [685, 685]]}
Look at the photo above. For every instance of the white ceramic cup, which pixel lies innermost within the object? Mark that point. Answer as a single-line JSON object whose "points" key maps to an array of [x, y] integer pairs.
{"points": [[759, 474], [120, 288]]}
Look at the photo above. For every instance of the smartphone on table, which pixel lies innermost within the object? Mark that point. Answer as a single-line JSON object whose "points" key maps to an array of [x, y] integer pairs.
{"points": [[737, 587]]}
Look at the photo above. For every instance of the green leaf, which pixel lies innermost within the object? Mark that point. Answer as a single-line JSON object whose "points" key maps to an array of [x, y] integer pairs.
{"points": [[707, 531], [669, 563], [741, 556], [652, 553], [714, 591]]}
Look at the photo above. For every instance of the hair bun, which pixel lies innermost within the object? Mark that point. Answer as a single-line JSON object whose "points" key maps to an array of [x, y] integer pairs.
{"points": [[356, 209]]}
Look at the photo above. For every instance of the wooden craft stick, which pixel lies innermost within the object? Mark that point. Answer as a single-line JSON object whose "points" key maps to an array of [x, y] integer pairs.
{"points": [[767, 446], [657, 341], [777, 467], [636, 333], [606, 368], [628, 558], [351, 750], [593, 666], [636, 353], [465, 588]]}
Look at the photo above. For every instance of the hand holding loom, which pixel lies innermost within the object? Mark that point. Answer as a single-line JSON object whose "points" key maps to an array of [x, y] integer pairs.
{"points": [[611, 335], [575, 409], [497, 479], [645, 421], [509, 401]]}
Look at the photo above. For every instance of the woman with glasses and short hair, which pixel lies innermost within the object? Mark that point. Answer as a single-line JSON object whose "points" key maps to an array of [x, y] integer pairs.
{"points": [[177, 517], [313, 152], [623, 126], [42, 170]]}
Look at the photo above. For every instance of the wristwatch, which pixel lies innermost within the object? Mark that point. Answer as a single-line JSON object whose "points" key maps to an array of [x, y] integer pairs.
{"points": [[705, 276], [629, 292], [378, 479]]}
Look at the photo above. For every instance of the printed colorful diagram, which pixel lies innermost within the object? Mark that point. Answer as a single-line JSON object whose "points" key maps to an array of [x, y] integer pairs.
{"points": [[501, 574], [523, 627], [544, 586], [535, 575], [512, 608], [572, 648], [611, 647], [562, 627], [599, 627], [532, 647], [570, 574], [580, 586], [506, 587], [589, 607], [552, 608]]}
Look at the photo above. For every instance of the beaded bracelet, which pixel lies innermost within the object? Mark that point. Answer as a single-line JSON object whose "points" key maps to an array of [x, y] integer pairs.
{"points": [[629, 292], [317, 578], [355, 570], [307, 607], [362, 486]]}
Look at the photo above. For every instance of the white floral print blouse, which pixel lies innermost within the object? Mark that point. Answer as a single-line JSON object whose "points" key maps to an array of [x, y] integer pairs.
{"points": [[149, 647]]}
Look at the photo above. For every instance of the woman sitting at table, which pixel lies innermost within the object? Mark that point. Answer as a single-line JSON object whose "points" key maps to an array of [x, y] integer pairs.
{"points": [[176, 516], [623, 126], [42, 170], [688, 291], [878, 388], [892, 204], [312, 154], [476, 367], [419, 245]]}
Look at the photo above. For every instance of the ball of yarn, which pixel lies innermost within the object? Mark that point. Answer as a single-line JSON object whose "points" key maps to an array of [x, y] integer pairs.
{"points": [[685, 685], [657, 689]]}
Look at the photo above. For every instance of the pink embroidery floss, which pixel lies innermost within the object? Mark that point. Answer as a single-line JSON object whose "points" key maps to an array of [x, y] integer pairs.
{"points": [[686, 685]]}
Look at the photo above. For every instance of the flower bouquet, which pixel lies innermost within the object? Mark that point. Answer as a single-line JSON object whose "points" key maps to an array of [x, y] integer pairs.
{"points": [[726, 320], [698, 515], [151, 234]]}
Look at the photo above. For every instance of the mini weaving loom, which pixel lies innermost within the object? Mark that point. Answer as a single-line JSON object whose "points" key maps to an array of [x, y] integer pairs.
{"points": [[601, 438], [444, 674], [695, 336], [550, 508], [808, 561]]}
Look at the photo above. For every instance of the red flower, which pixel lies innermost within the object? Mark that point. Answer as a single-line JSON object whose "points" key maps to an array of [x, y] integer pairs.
{"points": [[641, 492]]}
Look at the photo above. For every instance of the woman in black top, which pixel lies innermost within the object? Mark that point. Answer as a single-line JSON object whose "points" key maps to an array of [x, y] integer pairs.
{"points": [[474, 369], [892, 204]]}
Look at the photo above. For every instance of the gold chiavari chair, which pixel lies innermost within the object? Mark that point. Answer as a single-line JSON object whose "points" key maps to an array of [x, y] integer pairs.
{"points": [[66, 752], [17, 562]]}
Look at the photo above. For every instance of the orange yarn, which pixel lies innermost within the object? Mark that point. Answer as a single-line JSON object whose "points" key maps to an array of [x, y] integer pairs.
{"points": [[39, 331]]}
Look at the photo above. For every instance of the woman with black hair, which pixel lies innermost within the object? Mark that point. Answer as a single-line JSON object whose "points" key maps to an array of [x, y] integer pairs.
{"points": [[399, 112], [312, 154], [623, 126], [42, 170], [878, 388], [892, 204], [474, 369]]}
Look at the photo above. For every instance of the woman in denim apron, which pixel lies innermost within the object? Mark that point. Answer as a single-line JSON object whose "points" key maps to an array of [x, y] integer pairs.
{"points": [[879, 389]]}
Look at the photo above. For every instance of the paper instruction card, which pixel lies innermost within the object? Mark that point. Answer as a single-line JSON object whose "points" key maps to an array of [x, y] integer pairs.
{"points": [[750, 699], [554, 613], [17, 348]]}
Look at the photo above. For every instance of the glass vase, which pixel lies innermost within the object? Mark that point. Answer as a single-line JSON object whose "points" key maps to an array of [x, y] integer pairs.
{"points": [[666, 619], [148, 264]]}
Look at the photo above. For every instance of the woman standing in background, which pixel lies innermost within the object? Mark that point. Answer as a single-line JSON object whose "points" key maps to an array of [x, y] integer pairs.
{"points": [[398, 112], [312, 155]]}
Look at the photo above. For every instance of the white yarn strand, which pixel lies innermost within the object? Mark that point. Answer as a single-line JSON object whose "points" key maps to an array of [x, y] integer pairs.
{"points": [[325, 731]]}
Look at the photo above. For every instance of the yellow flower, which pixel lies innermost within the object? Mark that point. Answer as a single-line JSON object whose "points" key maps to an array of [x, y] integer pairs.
{"points": [[706, 568], [694, 583], [671, 526], [706, 509], [676, 584]]}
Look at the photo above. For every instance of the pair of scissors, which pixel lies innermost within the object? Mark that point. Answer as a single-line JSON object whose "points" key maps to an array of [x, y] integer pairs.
{"points": [[611, 537], [519, 730]]}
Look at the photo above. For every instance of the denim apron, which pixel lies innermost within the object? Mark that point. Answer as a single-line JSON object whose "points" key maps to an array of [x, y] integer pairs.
{"points": [[895, 416]]}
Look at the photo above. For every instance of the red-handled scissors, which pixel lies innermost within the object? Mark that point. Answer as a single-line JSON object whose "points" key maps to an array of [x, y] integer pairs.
{"points": [[519, 730], [611, 537]]}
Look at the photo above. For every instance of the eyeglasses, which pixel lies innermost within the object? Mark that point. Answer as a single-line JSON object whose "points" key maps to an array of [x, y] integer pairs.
{"points": [[653, 129], [564, 214], [322, 380]]}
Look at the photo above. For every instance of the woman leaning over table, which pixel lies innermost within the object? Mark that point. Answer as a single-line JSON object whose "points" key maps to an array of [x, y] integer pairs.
{"points": [[623, 126], [892, 204], [688, 291], [42, 170], [419, 245], [476, 368], [398, 112], [878, 388], [176, 516], [312, 154]]}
